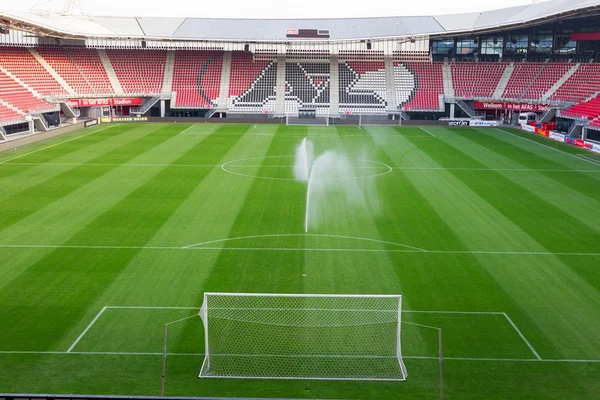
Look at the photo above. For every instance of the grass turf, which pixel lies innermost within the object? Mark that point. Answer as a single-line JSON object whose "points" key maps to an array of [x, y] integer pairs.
{"points": [[510, 222]]}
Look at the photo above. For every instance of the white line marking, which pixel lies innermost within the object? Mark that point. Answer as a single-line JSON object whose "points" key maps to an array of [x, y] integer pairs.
{"points": [[124, 353], [404, 311], [535, 353], [515, 253], [359, 128], [455, 312], [548, 147], [373, 175], [586, 157], [67, 164], [187, 129], [58, 144], [86, 329], [305, 235], [151, 308], [254, 127], [423, 129], [421, 325]]}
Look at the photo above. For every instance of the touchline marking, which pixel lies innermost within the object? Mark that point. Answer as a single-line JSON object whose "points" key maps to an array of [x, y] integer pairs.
{"points": [[535, 353], [548, 147], [586, 157], [187, 129], [425, 130], [57, 144], [86, 329]]}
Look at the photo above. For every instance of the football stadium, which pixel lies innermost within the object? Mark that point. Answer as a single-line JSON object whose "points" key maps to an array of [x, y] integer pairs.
{"points": [[330, 208]]}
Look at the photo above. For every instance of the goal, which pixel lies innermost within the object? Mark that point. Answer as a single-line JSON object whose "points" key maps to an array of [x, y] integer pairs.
{"points": [[300, 336], [291, 120]]}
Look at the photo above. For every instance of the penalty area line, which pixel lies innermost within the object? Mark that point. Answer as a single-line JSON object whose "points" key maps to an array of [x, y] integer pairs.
{"points": [[86, 329]]}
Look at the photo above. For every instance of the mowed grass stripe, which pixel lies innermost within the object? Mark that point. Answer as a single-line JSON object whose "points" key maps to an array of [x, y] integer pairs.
{"points": [[168, 277], [60, 220], [13, 173], [87, 274], [538, 213], [35, 173], [554, 151], [28, 201], [587, 184], [269, 207], [533, 278]]}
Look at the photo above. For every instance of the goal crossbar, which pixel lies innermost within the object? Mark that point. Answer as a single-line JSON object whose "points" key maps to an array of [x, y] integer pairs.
{"points": [[302, 336]]}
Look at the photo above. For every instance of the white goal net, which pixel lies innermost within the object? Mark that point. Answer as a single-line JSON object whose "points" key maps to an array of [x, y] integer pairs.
{"points": [[294, 120], [277, 336]]}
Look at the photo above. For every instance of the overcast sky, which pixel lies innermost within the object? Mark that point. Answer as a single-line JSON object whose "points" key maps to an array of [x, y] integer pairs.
{"points": [[271, 8]]}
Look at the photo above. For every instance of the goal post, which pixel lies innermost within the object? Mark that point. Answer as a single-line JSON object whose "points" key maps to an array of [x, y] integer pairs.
{"points": [[292, 120], [301, 336]]}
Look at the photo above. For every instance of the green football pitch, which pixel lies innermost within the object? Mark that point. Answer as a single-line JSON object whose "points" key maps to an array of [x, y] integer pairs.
{"points": [[492, 235]]}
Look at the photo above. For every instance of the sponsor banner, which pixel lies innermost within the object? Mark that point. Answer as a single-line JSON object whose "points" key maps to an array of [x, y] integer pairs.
{"points": [[458, 123], [499, 105], [595, 147], [542, 132], [123, 119], [559, 137], [478, 122], [131, 101], [93, 122], [528, 128], [578, 142]]}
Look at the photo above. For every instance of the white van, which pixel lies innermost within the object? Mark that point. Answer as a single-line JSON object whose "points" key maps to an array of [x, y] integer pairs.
{"points": [[526, 118]]}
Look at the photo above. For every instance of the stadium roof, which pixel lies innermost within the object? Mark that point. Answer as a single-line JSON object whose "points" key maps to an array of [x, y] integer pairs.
{"points": [[269, 30]]}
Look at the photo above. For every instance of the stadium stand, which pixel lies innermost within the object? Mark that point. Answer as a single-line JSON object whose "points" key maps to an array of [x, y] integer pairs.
{"points": [[89, 64], [307, 83], [583, 84], [595, 124], [11, 92], [362, 84], [588, 110], [252, 83], [61, 62], [521, 79], [7, 114], [23, 66], [140, 72], [547, 76], [429, 86], [197, 78], [476, 79]]}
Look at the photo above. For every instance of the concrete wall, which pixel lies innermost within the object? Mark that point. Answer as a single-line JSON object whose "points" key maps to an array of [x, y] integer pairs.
{"points": [[13, 144]]}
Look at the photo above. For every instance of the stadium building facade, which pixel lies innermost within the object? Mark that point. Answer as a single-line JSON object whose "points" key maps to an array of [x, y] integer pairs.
{"points": [[542, 58]]}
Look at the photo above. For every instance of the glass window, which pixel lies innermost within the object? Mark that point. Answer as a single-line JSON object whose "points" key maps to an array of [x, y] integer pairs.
{"points": [[541, 43], [467, 47], [492, 45], [517, 44], [564, 44], [444, 47]]}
